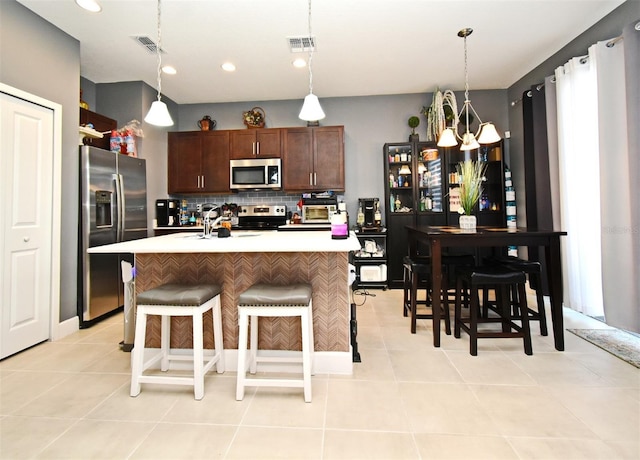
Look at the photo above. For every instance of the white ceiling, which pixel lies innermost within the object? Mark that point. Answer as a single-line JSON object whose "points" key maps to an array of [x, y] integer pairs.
{"points": [[364, 47]]}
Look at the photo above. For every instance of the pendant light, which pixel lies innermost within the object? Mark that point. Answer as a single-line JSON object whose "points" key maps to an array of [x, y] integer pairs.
{"points": [[486, 133], [311, 110], [158, 114]]}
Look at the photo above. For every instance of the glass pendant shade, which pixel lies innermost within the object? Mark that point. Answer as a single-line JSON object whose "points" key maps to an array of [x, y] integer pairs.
{"points": [[447, 138], [311, 110], [489, 134], [469, 142], [158, 115], [404, 170]]}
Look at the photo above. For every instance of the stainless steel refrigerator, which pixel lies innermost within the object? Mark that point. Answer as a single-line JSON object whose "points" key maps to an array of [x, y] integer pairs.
{"points": [[113, 208]]}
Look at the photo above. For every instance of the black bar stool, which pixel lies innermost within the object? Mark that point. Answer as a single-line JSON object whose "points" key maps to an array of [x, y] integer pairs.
{"points": [[417, 275], [533, 270], [500, 278]]}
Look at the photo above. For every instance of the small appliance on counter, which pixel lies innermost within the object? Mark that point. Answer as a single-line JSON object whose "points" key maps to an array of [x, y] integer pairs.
{"points": [[318, 209], [167, 213], [369, 215]]}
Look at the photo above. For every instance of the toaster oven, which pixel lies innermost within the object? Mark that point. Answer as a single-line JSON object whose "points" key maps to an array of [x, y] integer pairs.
{"points": [[318, 213]]}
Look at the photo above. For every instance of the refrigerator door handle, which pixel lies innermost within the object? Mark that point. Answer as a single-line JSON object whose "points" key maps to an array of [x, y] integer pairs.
{"points": [[120, 206]]}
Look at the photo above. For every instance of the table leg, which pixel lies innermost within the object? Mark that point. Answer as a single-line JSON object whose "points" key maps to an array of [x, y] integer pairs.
{"points": [[554, 277], [436, 286]]}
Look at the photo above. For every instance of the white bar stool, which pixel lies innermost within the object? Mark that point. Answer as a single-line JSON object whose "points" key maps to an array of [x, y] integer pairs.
{"points": [[170, 300], [274, 300]]}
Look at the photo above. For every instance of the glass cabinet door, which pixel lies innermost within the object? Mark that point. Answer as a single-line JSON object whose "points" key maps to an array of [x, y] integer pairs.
{"points": [[491, 206], [429, 179], [400, 178]]}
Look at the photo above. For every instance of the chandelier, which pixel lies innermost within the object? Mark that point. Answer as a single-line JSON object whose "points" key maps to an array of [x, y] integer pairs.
{"points": [[486, 133], [158, 114], [311, 110]]}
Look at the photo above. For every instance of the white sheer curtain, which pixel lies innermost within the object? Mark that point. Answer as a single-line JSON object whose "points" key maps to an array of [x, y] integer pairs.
{"points": [[578, 152], [596, 198], [618, 267]]}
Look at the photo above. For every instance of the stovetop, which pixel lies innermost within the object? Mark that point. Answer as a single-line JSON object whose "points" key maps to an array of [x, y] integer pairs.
{"points": [[261, 217]]}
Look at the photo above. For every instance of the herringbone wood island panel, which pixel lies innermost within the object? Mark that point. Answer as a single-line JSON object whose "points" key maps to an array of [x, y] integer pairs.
{"points": [[326, 271]]}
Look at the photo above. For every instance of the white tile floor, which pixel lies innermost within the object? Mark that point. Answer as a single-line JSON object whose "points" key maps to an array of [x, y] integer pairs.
{"points": [[406, 399]]}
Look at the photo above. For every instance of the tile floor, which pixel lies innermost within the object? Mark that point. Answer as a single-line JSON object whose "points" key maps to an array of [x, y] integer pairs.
{"points": [[406, 399]]}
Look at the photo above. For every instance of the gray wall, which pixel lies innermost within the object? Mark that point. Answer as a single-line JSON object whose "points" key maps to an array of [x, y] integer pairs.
{"points": [[369, 123], [609, 27], [44, 61]]}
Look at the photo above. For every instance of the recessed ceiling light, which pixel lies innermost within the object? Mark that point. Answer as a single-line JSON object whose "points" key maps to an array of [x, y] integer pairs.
{"points": [[299, 63], [169, 70], [228, 66], [89, 5]]}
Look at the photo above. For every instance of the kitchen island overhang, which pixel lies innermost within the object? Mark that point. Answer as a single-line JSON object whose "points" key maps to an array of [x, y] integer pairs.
{"points": [[238, 262]]}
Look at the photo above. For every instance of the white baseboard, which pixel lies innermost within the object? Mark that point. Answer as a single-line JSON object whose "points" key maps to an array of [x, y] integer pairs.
{"points": [[324, 362], [66, 328]]}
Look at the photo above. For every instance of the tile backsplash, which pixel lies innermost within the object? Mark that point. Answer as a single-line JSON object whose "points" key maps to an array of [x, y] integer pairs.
{"points": [[269, 197]]}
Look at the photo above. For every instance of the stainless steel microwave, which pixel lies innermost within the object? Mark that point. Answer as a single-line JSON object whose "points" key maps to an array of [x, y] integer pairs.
{"points": [[254, 173]]}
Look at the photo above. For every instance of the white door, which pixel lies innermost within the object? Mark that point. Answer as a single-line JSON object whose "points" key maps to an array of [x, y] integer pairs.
{"points": [[26, 222]]}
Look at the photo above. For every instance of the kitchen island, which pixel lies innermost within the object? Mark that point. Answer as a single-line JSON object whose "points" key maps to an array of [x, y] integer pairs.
{"points": [[245, 258]]}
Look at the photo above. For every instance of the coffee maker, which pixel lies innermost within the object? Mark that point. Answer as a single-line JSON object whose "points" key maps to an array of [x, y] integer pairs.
{"points": [[370, 207], [167, 213]]}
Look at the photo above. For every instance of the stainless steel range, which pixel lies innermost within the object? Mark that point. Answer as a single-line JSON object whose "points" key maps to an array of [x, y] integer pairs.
{"points": [[261, 216]]}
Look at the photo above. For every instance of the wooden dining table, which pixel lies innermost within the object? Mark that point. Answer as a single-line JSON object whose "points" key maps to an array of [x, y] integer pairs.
{"points": [[436, 238]]}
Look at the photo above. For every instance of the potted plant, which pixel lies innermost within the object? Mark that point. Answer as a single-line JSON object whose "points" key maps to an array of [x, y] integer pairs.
{"points": [[471, 175], [413, 124], [442, 113]]}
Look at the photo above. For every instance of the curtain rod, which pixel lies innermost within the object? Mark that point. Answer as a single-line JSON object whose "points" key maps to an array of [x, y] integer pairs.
{"points": [[539, 86], [611, 43]]}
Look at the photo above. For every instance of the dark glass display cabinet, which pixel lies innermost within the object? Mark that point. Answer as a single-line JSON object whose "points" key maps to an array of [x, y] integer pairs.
{"points": [[414, 194], [420, 189]]}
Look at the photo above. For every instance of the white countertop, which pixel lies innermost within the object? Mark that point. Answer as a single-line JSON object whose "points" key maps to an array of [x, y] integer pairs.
{"points": [[304, 227], [239, 241]]}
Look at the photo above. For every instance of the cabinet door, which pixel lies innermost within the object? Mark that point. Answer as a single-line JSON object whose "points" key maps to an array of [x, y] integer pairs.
{"points": [[184, 162], [100, 123], [397, 247], [255, 143], [490, 210], [215, 162], [268, 143], [242, 144], [329, 158], [400, 177], [297, 165]]}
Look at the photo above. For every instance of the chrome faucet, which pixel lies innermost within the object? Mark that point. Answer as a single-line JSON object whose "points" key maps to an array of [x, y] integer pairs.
{"points": [[208, 225]]}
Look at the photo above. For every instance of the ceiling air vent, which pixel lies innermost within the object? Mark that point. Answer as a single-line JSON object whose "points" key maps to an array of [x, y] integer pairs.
{"points": [[147, 43], [301, 44]]}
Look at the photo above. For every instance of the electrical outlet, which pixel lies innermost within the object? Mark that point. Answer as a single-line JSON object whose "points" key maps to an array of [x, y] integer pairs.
{"points": [[199, 208], [507, 134]]}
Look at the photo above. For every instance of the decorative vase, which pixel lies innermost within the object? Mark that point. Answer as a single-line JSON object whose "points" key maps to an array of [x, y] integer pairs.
{"points": [[468, 222]]}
